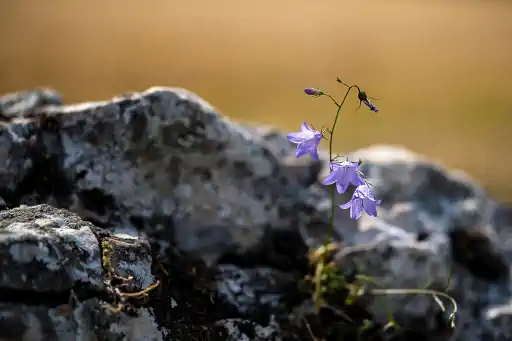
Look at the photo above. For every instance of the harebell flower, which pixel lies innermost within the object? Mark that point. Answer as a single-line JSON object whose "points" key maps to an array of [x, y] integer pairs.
{"points": [[344, 173]]}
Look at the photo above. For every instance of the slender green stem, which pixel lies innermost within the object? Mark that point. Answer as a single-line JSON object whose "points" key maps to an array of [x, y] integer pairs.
{"points": [[318, 284], [332, 99], [333, 188], [317, 296], [432, 293]]}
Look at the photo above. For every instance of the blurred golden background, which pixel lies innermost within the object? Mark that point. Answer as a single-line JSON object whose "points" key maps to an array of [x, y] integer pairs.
{"points": [[442, 69]]}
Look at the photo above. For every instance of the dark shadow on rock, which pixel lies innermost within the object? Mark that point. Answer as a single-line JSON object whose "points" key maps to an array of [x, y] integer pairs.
{"points": [[474, 250]]}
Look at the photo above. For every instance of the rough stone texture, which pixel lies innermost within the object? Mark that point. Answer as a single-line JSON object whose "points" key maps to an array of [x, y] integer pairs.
{"points": [[256, 288], [88, 321], [52, 279], [45, 238], [25, 103], [165, 165], [241, 330], [154, 160]]}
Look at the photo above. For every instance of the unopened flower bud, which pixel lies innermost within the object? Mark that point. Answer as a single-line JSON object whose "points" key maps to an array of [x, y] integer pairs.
{"points": [[313, 92]]}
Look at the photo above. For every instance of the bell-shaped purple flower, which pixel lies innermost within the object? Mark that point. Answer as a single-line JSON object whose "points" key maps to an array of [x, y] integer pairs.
{"points": [[362, 200], [343, 174], [307, 139], [370, 105]]}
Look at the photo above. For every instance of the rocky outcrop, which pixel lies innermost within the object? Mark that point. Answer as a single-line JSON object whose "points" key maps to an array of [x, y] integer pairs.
{"points": [[166, 190], [54, 284]]}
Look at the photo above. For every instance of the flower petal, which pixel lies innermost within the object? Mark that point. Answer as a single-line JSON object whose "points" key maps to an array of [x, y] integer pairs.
{"points": [[332, 177], [370, 105], [333, 166], [346, 205], [357, 209], [314, 153], [302, 149], [370, 207], [297, 137], [343, 182], [305, 127], [341, 187], [312, 148], [363, 191], [356, 179]]}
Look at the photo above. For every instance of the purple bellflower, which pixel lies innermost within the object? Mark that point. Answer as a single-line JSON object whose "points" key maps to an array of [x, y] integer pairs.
{"points": [[370, 105], [362, 200], [343, 174], [307, 139]]}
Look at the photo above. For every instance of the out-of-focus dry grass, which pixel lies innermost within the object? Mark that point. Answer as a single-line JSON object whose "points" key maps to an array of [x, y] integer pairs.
{"points": [[442, 68]]}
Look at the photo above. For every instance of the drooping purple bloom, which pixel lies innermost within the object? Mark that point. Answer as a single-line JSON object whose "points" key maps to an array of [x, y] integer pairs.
{"points": [[362, 200], [308, 140], [343, 174], [370, 105], [313, 92]]}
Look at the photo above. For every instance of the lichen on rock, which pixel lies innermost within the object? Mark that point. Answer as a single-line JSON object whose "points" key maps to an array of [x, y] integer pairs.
{"points": [[52, 282]]}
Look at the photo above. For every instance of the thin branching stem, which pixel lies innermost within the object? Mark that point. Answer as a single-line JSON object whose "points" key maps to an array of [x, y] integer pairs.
{"points": [[333, 100], [333, 188]]}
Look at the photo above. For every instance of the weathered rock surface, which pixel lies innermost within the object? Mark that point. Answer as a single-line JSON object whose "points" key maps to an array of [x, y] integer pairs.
{"points": [[152, 160], [166, 167], [52, 279]]}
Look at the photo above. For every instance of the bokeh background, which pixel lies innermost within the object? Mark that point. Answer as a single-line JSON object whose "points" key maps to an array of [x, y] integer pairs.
{"points": [[443, 69]]}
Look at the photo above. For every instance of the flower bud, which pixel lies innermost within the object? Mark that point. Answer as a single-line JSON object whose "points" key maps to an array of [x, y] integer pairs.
{"points": [[313, 92]]}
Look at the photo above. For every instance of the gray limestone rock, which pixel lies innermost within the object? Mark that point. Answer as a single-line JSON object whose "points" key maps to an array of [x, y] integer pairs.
{"points": [[157, 160], [53, 284]]}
